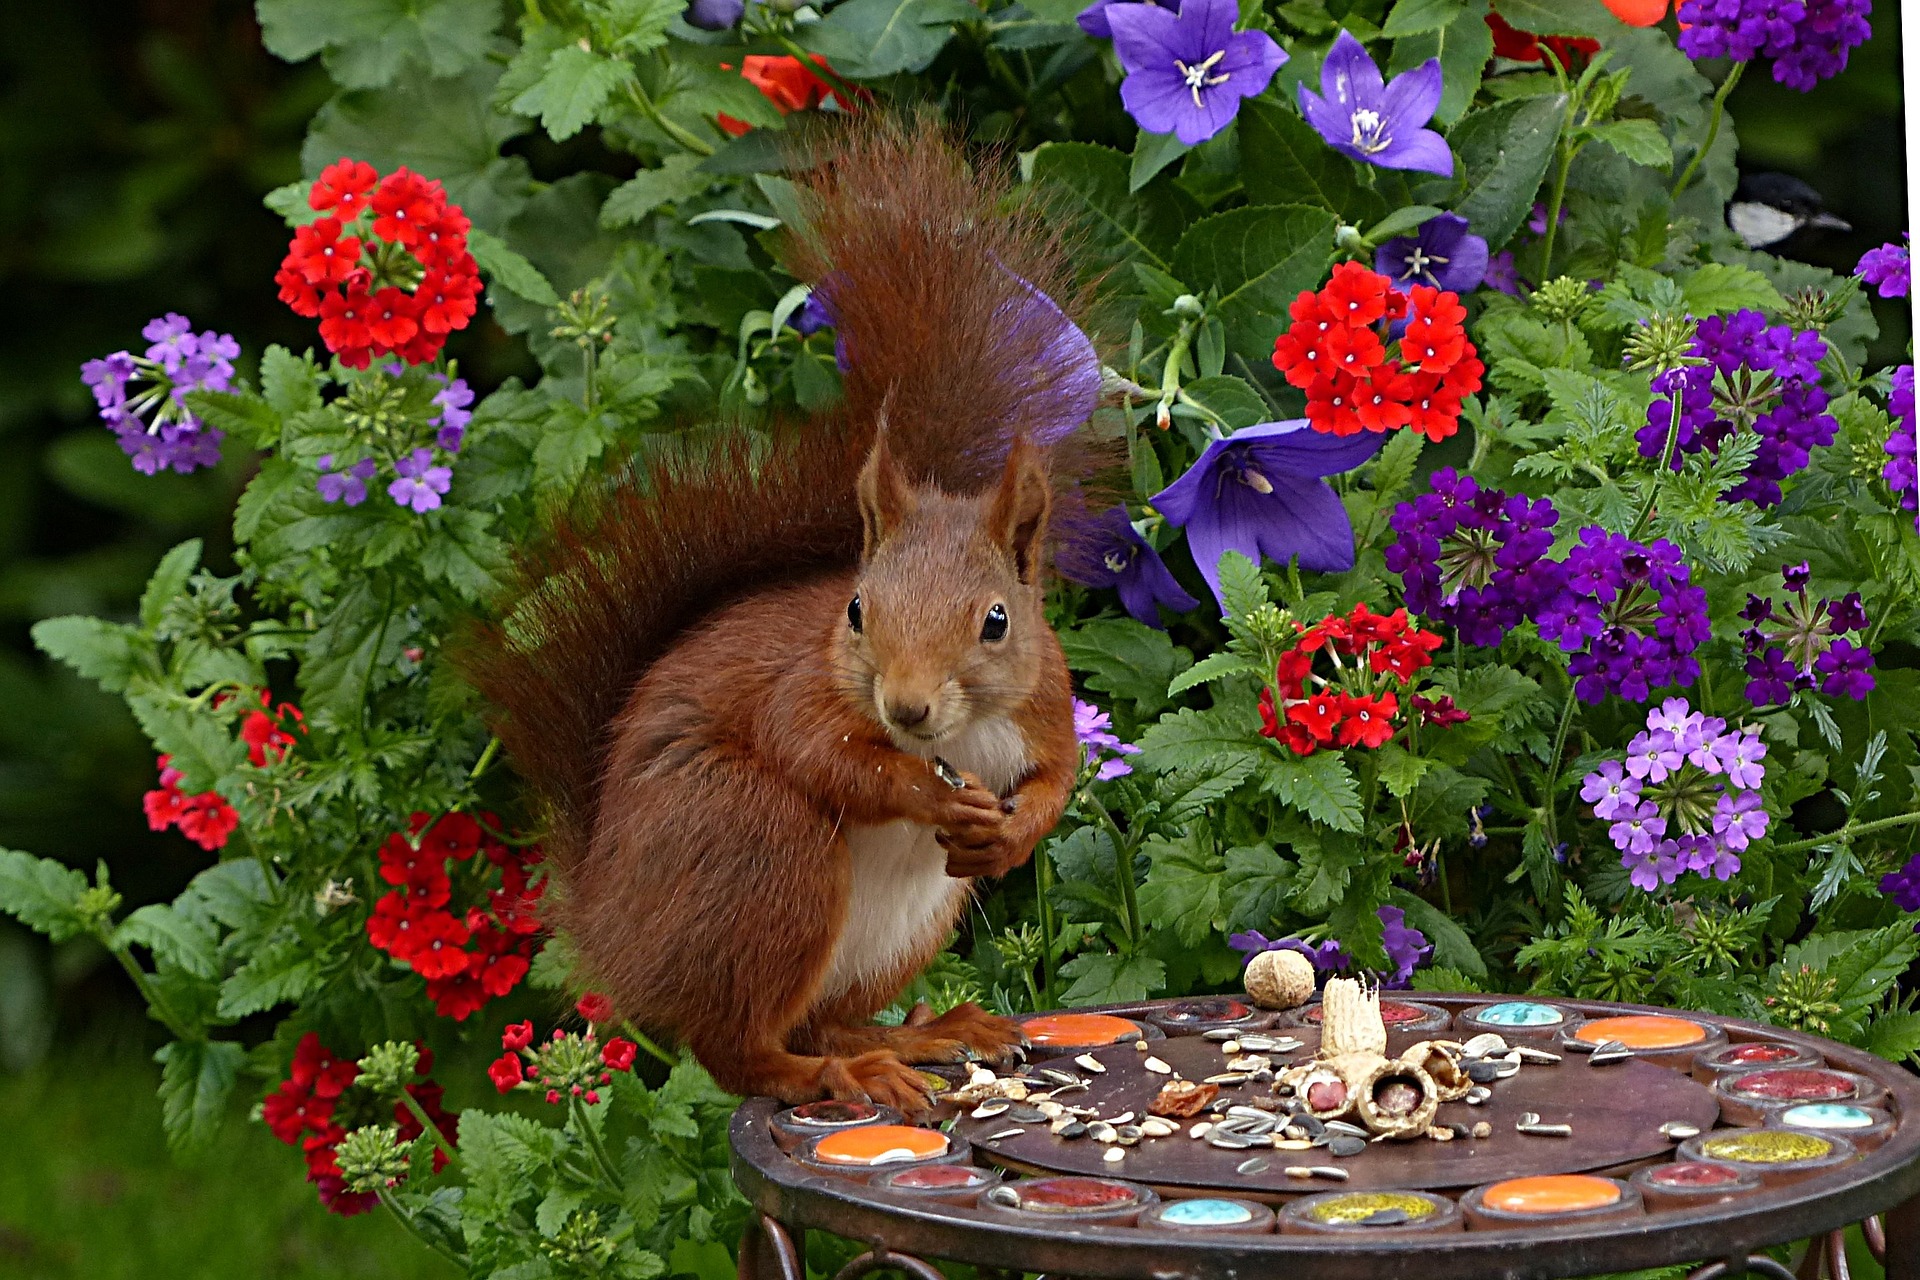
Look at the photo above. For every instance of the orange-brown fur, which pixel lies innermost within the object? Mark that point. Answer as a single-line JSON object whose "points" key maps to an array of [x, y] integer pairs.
{"points": [[708, 733]]}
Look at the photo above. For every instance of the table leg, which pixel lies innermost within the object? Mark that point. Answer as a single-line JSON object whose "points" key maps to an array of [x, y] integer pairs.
{"points": [[1902, 1227], [768, 1252]]}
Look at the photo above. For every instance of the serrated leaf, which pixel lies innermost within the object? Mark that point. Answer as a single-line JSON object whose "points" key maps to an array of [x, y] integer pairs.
{"points": [[1326, 869], [1258, 259], [1401, 770], [169, 581], [42, 894], [172, 938], [368, 43], [1126, 659], [104, 652], [1243, 589], [678, 177], [1215, 666], [201, 748], [572, 88], [1111, 979], [874, 38], [1192, 792], [1504, 151], [1638, 140], [510, 270], [289, 384], [1895, 1036], [276, 974], [1182, 889], [1320, 786], [1208, 740], [1394, 468], [1089, 184], [1715, 288], [232, 893], [196, 1079], [1257, 883], [1410, 17]]}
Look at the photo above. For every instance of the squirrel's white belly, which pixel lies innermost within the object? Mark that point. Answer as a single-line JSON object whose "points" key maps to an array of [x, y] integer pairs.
{"points": [[901, 896]]}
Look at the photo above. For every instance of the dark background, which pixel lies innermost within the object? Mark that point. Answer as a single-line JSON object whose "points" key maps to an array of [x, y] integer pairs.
{"points": [[136, 141]]}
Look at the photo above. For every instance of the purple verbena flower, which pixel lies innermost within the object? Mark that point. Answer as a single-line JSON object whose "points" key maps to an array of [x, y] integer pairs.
{"points": [[1887, 269], [1366, 119], [1094, 728], [1404, 945], [1503, 274], [348, 485], [420, 483], [1107, 551], [1187, 73], [1806, 40], [1628, 614], [1796, 644], [1443, 254], [1474, 558], [452, 400], [1904, 885], [1259, 491], [1846, 670], [155, 428], [1610, 791], [1901, 472], [1739, 819]]}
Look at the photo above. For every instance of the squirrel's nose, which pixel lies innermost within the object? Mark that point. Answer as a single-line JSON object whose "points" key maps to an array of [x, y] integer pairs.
{"points": [[907, 714]]}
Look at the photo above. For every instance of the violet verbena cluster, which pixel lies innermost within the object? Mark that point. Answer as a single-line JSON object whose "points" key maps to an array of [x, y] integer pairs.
{"points": [[1802, 642], [419, 479], [1405, 946], [1629, 616], [1474, 558], [1687, 797], [1901, 472], [1759, 376], [1807, 41], [1106, 753], [1888, 269], [153, 424]]}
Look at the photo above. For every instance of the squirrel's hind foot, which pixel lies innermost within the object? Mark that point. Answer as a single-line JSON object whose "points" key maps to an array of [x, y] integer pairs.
{"points": [[879, 1077]]}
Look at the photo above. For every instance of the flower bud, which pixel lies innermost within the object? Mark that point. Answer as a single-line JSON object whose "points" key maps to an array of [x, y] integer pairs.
{"points": [[389, 1067], [370, 1158]]}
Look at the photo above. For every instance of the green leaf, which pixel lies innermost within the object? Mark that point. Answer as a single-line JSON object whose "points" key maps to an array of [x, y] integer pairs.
{"points": [[1504, 151], [1394, 468], [1189, 792], [1210, 740], [1111, 979], [1232, 398], [196, 1079], [1182, 889], [1559, 17], [1715, 288], [1319, 785], [169, 581], [1411, 17], [1257, 884], [509, 270], [283, 971], [1218, 665], [874, 38], [1089, 185], [1895, 1036], [1283, 161], [1638, 140], [571, 90], [1258, 259], [104, 652], [1463, 46], [677, 178], [42, 894], [1401, 221], [1452, 948], [232, 893], [1243, 588], [172, 937], [1126, 659], [290, 384], [1326, 869], [369, 42], [202, 748], [1152, 152], [1401, 770]]}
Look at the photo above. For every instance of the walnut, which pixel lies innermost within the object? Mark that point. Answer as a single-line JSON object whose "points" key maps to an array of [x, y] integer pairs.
{"points": [[1279, 979]]}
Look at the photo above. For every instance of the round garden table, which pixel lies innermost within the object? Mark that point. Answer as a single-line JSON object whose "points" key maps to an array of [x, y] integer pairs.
{"points": [[1614, 1112]]}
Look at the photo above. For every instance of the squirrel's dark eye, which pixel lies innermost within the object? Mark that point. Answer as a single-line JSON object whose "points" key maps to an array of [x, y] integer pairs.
{"points": [[853, 614], [995, 627]]}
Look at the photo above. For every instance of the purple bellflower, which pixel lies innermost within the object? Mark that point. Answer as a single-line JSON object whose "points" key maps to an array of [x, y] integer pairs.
{"points": [[1443, 253], [715, 15], [1366, 119], [1186, 74], [1094, 21], [1260, 492], [1107, 551]]}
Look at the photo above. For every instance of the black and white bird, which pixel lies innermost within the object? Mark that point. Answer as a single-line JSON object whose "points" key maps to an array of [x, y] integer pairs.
{"points": [[1769, 207]]}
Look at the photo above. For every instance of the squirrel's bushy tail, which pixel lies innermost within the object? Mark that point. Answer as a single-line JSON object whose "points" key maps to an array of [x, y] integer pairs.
{"points": [[929, 266]]}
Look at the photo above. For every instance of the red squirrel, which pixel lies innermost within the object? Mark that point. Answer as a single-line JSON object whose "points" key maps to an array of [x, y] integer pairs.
{"points": [[742, 673]]}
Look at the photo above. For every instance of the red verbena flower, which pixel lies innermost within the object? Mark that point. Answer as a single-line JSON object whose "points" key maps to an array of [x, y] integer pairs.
{"points": [[1439, 711], [342, 187], [790, 85], [506, 1071], [1318, 715], [618, 1053], [1369, 721], [439, 942], [318, 1068], [517, 1036], [455, 836], [594, 1007], [206, 819], [322, 255]]}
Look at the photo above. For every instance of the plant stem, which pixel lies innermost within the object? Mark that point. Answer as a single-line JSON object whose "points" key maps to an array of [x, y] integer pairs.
{"points": [[155, 1001], [407, 1221], [593, 1144], [486, 758], [1713, 127], [1567, 153], [646, 1042], [1123, 868], [1849, 833], [1043, 888], [691, 142], [1666, 465], [1552, 797], [426, 1122]]}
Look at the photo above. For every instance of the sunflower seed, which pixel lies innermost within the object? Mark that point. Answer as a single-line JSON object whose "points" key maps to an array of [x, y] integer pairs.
{"points": [[1140, 1046], [1090, 1063], [1249, 1062], [1219, 1034], [1312, 1124], [1485, 1045], [1295, 1144], [1506, 1069], [1114, 1155], [1441, 1133], [1546, 1130], [1004, 1133], [1346, 1145], [1125, 1117], [1158, 1067], [1258, 1164], [1060, 1077], [1103, 1132], [1128, 1135], [1480, 1071], [1478, 1095], [988, 1110], [1317, 1171], [1530, 1054], [1529, 1117], [1200, 1129], [1341, 1126], [1006, 1196], [1679, 1131], [1228, 1078], [1610, 1052], [1483, 1130], [1026, 1115], [1051, 1110], [1155, 1127], [1069, 1128], [1230, 1047]]}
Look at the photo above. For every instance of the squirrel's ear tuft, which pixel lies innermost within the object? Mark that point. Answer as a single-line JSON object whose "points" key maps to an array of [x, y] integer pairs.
{"points": [[886, 498], [1017, 520]]}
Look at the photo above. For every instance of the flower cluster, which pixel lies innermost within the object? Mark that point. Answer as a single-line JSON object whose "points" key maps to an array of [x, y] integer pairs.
{"points": [[385, 268], [1801, 643], [388, 410], [1806, 40], [1888, 269], [1902, 470], [1754, 375], [1687, 798], [1405, 945], [1106, 754], [314, 1110], [1903, 886], [567, 1066], [1336, 351], [1629, 614], [1107, 551], [789, 84], [153, 424], [1308, 711], [1474, 558], [467, 957], [206, 819]]}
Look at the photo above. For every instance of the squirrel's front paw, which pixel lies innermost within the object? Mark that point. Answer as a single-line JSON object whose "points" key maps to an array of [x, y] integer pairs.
{"points": [[995, 857]]}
